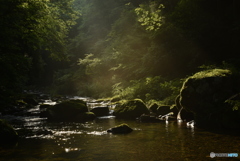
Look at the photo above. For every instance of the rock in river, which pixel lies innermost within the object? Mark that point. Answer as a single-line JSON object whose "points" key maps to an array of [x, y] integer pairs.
{"points": [[7, 134], [71, 110], [100, 111], [131, 109], [206, 95], [120, 129]]}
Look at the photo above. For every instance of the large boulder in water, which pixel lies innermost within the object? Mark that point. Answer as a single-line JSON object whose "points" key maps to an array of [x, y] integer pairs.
{"points": [[130, 109], [71, 110], [163, 110], [174, 110], [100, 111], [120, 129], [183, 114], [85, 116], [153, 108], [206, 95], [7, 134]]}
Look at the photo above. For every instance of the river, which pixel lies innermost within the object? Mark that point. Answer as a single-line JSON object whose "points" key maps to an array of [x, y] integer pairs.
{"points": [[162, 141]]}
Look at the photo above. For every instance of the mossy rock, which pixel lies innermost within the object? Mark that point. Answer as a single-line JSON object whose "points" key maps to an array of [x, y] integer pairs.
{"points": [[120, 129], [85, 116], [7, 134], [177, 102], [163, 110], [231, 120], [131, 109], [30, 99], [184, 114], [153, 108], [175, 110], [115, 99], [205, 94], [100, 111], [212, 73], [67, 110]]}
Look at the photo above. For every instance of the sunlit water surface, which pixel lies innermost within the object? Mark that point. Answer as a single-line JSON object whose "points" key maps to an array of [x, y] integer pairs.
{"points": [[148, 142]]}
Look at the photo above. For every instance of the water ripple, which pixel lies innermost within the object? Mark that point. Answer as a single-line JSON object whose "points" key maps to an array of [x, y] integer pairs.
{"points": [[97, 133]]}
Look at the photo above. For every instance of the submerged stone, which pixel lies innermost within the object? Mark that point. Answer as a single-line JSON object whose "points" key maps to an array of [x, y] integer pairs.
{"points": [[120, 129]]}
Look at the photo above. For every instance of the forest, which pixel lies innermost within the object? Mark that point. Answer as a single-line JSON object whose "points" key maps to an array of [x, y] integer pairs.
{"points": [[121, 49], [119, 79]]}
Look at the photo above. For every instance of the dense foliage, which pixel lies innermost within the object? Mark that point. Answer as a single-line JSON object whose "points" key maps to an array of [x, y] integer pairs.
{"points": [[124, 49], [130, 49], [31, 30]]}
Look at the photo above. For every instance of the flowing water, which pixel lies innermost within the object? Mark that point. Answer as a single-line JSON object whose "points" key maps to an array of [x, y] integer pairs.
{"points": [[89, 141]]}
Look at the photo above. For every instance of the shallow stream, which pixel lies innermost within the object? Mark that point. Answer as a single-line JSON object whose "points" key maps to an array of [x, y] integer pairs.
{"points": [[162, 141]]}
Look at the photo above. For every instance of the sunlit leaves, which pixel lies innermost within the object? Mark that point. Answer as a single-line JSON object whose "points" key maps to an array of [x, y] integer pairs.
{"points": [[119, 66], [148, 89], [150, 16], [234, 103], [90, 62], [122, 55]]}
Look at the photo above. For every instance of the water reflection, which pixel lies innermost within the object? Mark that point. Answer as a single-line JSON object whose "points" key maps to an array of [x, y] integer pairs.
{"points": [[166, 128], [191, 129], [63, 133], [49, 102], [97, 133], [149, 141], [67, 150]]}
